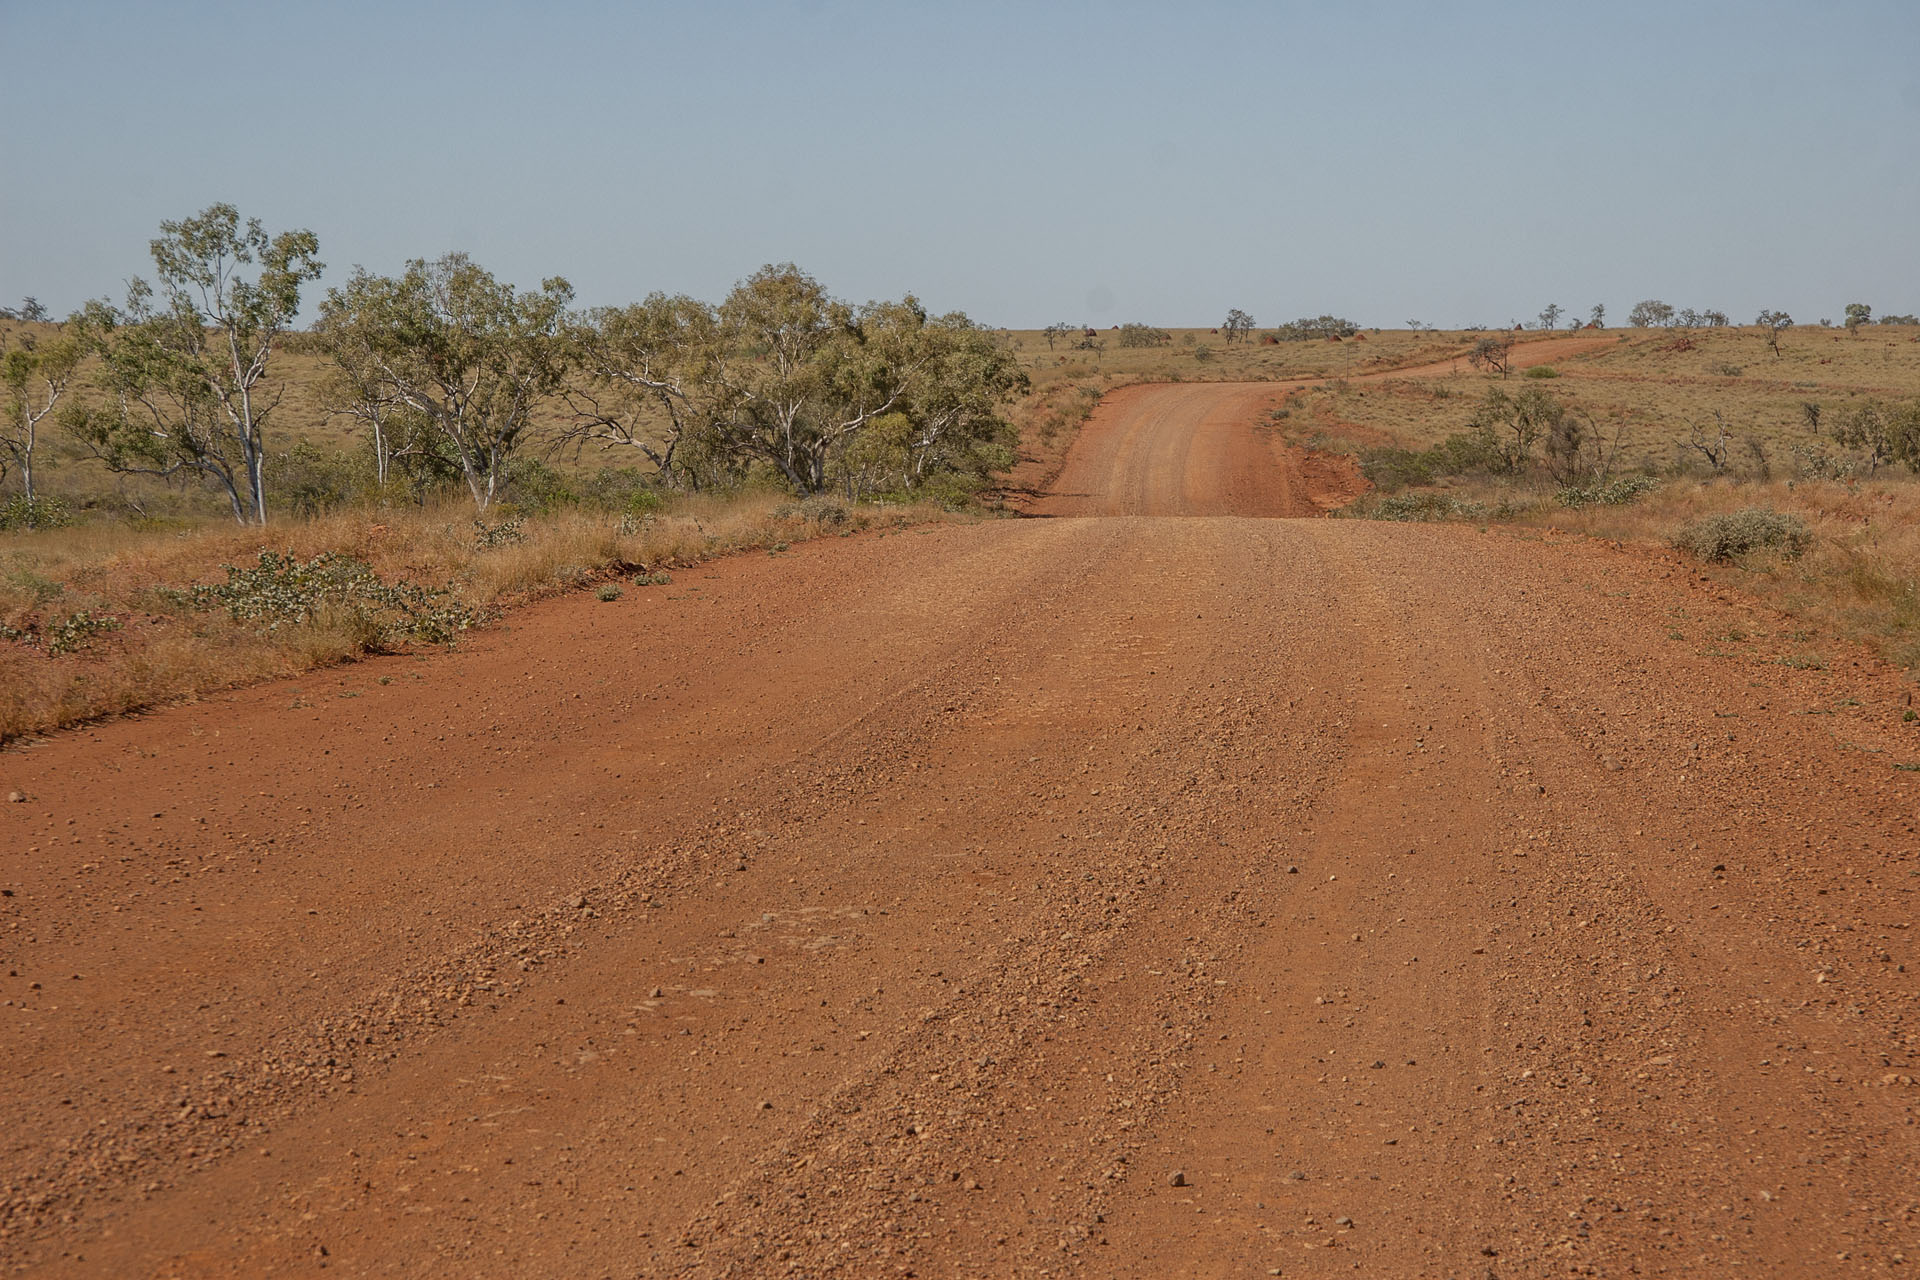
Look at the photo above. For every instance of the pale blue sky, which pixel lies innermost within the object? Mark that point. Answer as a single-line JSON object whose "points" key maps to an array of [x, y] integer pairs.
{"points": [[1456, 163]]}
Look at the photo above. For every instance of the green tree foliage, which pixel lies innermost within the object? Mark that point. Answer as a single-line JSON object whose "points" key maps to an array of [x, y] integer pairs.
{"points": [[813, 386], [1858, 313], [648, 377], [1309, 328], [1598, 316], [1775, 323], [463, 355], [1237, 325], [35, 374], [1650, 313], [185, 363], [1144, 335], [1550, 316], [1882, 432], [1494, 353]]}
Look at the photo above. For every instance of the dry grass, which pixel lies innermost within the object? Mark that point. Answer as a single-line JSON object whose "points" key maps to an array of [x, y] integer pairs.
{"points": [[162, 650], [1861, 576]]}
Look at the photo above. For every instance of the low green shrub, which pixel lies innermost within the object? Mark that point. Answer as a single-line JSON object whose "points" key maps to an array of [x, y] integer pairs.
{"points": [[40, 513], [1417, 506], [509, 532], [1616, 493], [1730, 535], [281, 591]]}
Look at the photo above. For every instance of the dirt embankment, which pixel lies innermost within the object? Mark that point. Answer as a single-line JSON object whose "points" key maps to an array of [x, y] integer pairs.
{"points": [[1159, 888]]}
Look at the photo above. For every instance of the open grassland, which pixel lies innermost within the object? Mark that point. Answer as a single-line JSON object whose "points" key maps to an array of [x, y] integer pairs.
{"points": [[1657, 392], [1652, 387]]}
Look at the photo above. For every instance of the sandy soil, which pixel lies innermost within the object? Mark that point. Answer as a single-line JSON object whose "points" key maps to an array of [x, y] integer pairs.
{"points": [[1161, 888]]}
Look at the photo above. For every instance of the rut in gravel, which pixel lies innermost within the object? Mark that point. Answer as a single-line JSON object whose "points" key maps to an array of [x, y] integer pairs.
{"points": [[1178, 884]]}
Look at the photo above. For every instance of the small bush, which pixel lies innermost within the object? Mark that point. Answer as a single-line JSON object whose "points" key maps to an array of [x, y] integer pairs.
{"points": [[62, 635], [817, 509], [280, 591], [659, 578], [76, 632], [1617, 493], [1474, 452], [40, 513], [1542, 371], [609, 593], [490, 537], [1419, 507], [1726, 537]]}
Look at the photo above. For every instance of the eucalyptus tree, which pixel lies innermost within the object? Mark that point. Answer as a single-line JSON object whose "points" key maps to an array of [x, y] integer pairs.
{"points": [[35, 374], [185, 362], [954, 405], [806, 372], [1237, 325], [648, 377], [473, 357]]}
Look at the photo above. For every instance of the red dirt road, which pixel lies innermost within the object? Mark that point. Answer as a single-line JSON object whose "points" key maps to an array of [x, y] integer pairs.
{"points": [[1114, 894]]}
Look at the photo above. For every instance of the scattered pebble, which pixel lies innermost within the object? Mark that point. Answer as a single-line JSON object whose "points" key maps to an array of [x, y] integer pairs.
{"points": [[16, 797], [1178, 1179]]}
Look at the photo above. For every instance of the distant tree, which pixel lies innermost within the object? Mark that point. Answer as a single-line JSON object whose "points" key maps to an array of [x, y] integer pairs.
{"points": [[1054, 332], [32, 311], [1598, 316], [1308, 328], [1858, 313], [1550, 316], [35, 375], [185, 366], [1687, 318], [1892, 319], [1650, 313], [1494, 353], [1714, 319], [473, 357], [1775, 323], [1144, 335], [1810, 413], [1237, 325]]}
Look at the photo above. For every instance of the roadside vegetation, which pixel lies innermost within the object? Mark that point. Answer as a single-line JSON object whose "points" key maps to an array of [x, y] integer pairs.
{"points": [[1784, 458], [195, 493]]}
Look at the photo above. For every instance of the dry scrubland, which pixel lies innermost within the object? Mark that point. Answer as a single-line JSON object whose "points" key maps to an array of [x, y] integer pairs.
{"points": [[1859, 573], [97, 623]]}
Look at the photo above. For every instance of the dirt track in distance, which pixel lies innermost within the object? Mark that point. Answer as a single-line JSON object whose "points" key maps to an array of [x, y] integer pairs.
{"points": [[1160, 888]]}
